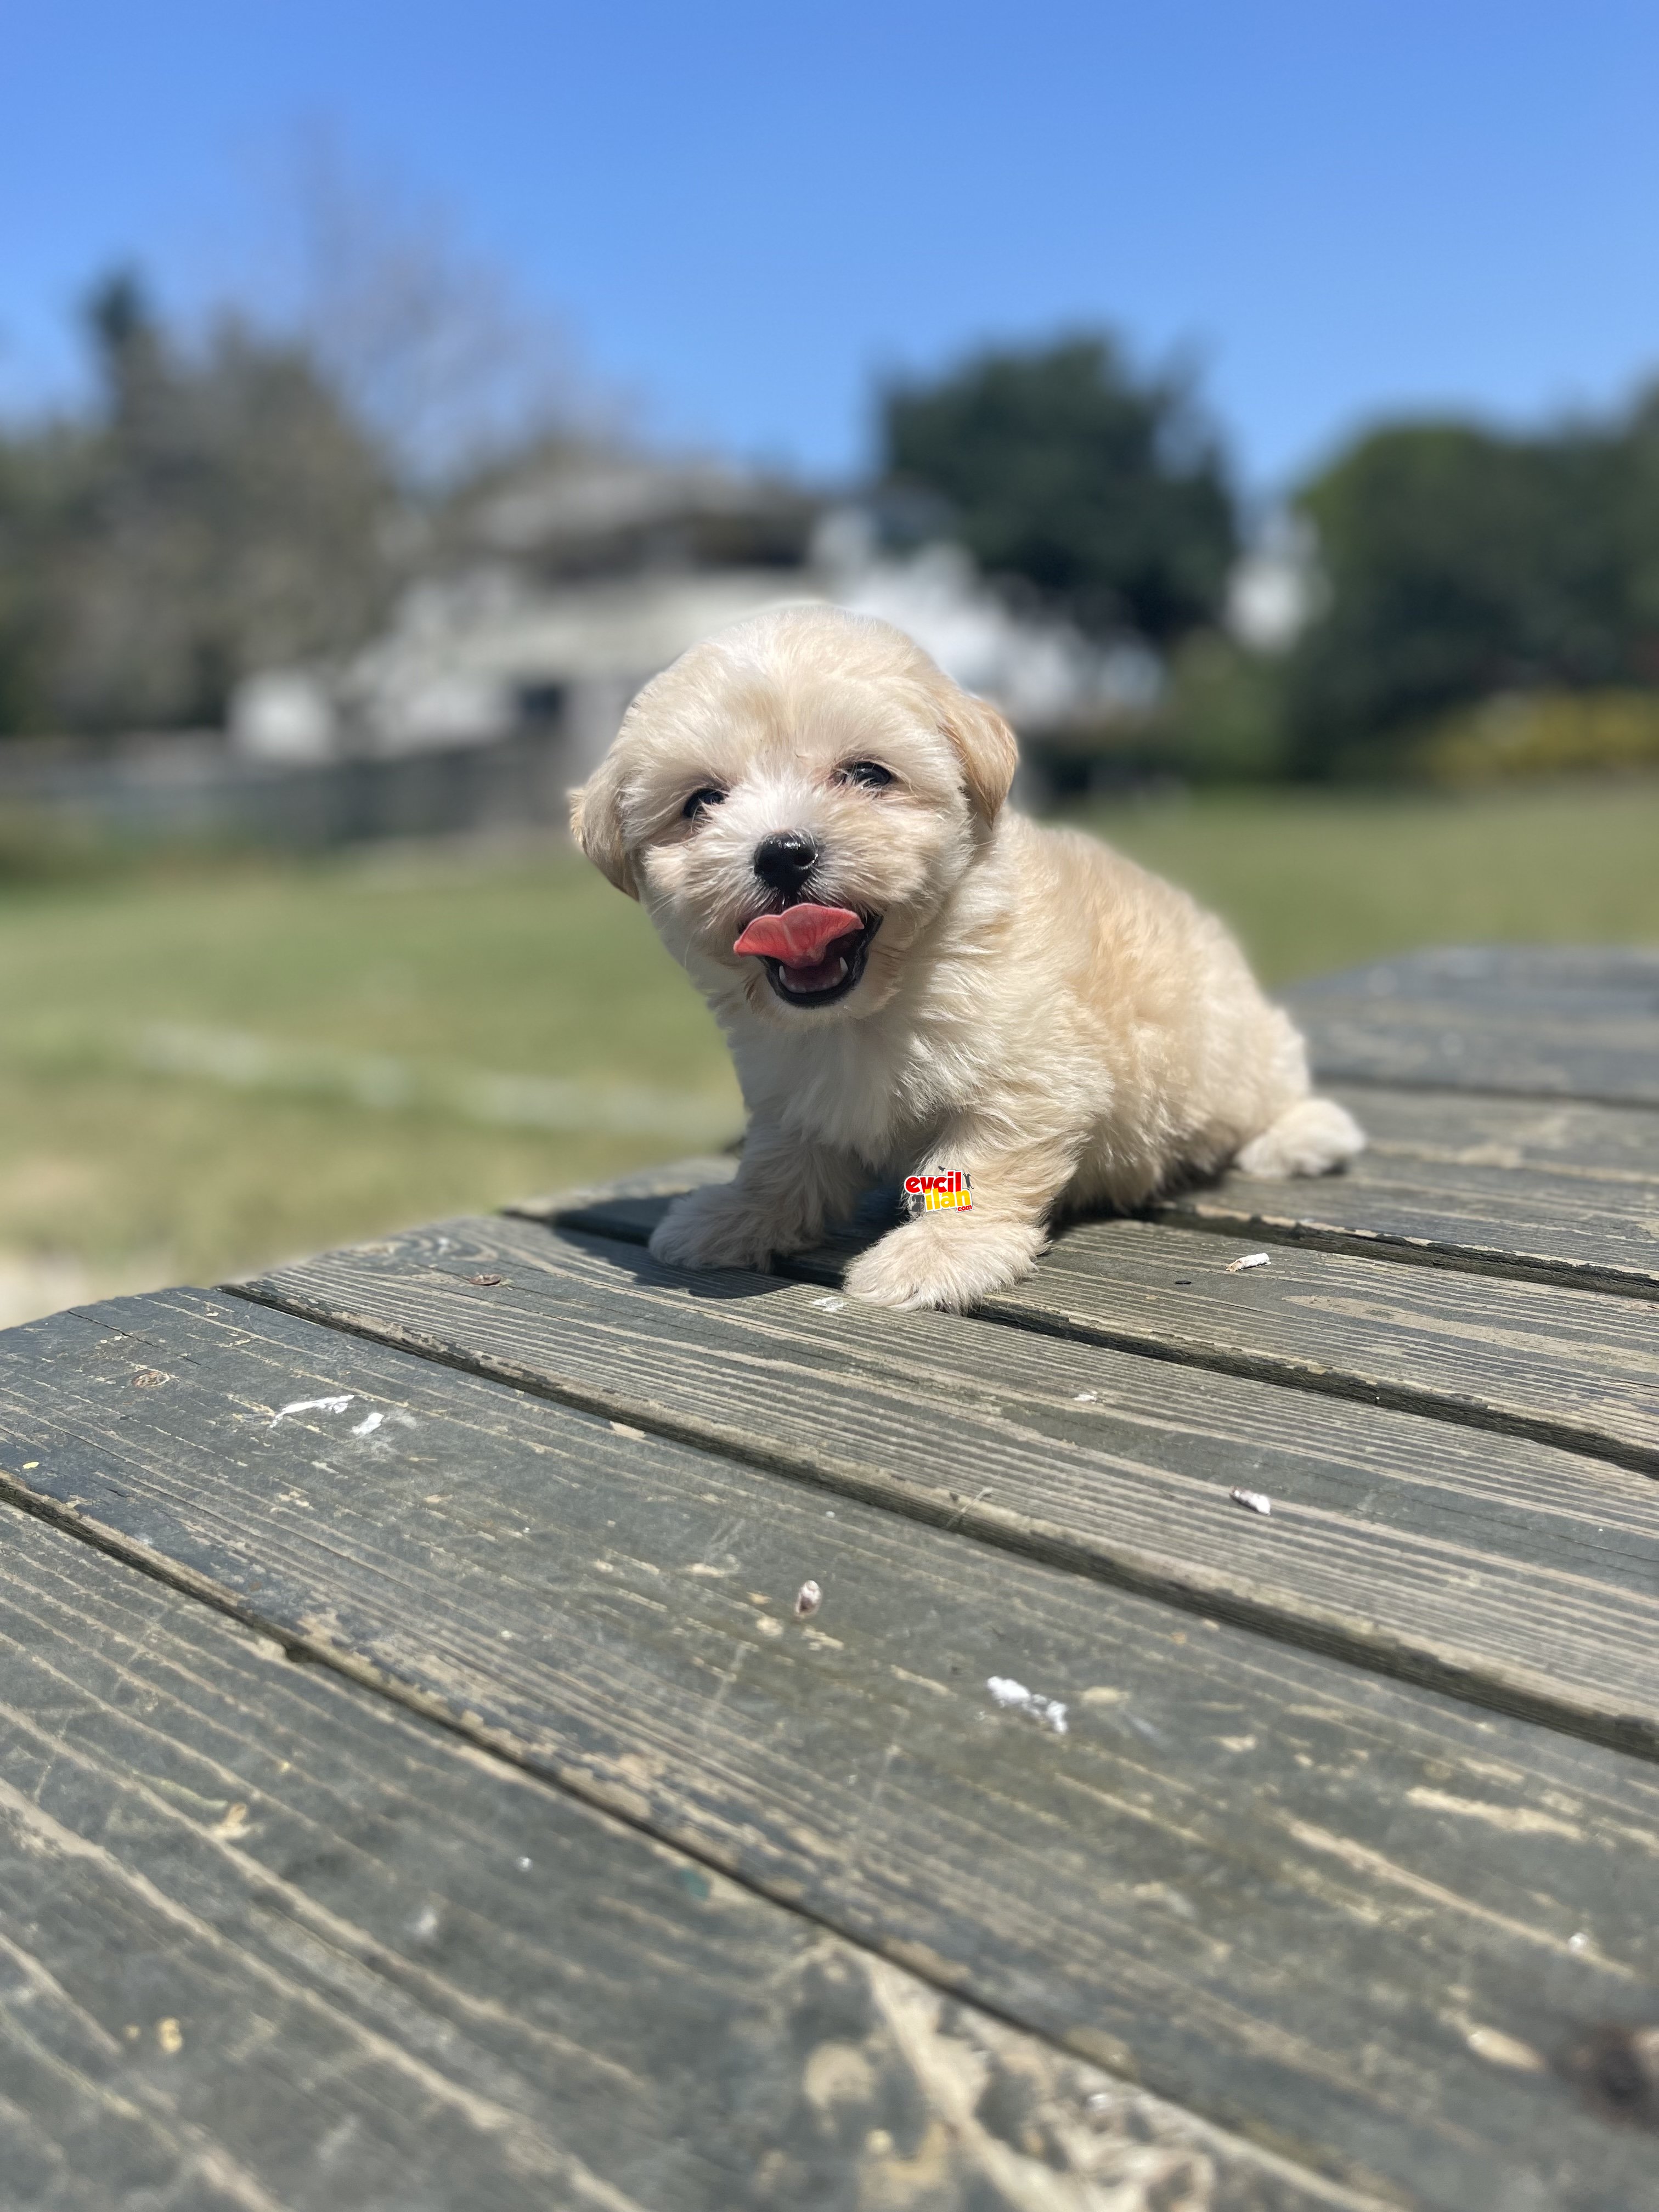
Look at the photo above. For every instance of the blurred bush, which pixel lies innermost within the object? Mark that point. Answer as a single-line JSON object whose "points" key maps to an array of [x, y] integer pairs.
{"points": [[1460, 564], [1542, 734]]}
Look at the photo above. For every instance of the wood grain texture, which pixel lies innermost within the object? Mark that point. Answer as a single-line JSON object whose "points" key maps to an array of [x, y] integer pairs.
{"points": [[1559, 1021], [271, 1941], [1366, 1926], [1552, 1194], [1522, 1358], [1506, 1569], [1558, 1136]]}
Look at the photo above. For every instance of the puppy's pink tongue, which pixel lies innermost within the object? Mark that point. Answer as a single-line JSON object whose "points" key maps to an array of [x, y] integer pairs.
{"points": [[799, 936]]}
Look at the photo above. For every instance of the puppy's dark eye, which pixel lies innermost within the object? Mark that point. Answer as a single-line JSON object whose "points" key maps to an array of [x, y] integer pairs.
{"points": [[872, 774], [700, 801]]}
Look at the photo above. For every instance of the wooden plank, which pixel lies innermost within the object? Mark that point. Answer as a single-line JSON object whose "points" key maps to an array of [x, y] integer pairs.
{"points": [[1558, 1136], [1487, 1185], [1559, 1021], [271, 1940], [1480, 1220], [1523, 1358], [1503, 1569], [1354, 1920]]}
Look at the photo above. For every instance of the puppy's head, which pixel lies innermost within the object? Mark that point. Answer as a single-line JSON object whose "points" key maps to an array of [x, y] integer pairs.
{"points": [[805, 758]]}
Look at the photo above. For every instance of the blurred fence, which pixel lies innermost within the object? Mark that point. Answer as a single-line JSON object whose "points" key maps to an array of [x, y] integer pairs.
{"points": [[192, 788]]}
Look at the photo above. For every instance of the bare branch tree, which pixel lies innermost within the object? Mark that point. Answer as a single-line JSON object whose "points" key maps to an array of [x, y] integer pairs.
{"points": [[423, 337]]}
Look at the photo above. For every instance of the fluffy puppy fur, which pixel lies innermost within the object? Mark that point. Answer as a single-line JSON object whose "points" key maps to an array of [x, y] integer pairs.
{"points": [[1032, 1007]]}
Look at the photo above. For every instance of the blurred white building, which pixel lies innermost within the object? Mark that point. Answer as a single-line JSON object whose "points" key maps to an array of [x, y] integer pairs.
{"points": [[572, 586]]}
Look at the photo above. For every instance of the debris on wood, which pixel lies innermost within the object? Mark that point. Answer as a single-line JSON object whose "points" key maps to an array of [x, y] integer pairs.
{"points": [[622, 1429], [151, 1378], [1085, 1397], [828, 1305], [484, 1282], [367, 1425], [1014, 1697], [1249, 1259], [1498, 2049], [1253, 1501], [808, 1598], [336, 1405]]}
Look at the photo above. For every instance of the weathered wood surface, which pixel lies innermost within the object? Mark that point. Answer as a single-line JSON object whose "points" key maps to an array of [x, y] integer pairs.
{"points": [[1556, 1136], [1569, 1021], [1502, 1568], [270, 1940], [1523, 1358], [1567, 1194], [1366, 1925]]}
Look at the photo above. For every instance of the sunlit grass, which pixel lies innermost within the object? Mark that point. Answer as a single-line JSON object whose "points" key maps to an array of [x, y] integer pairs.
{"points": [[1316, 880], [114, 1177]]}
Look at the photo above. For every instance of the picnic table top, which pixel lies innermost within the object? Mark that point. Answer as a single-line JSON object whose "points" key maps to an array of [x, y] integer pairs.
{"points": [[420, 1786]]}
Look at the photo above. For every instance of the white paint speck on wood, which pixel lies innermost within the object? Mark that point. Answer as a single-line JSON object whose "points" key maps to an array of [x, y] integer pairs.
{"points": [[1253, 1501], [1014, 1697], [314, 1406]]}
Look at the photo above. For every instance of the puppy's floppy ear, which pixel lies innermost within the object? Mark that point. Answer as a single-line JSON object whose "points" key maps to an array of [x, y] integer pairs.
{"points": [[987, 747], [596, 824]]}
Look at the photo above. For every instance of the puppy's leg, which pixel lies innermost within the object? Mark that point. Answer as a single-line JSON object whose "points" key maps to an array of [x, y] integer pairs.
{"points": [[1309, 1139], [951, 1258], [782, 1195]]}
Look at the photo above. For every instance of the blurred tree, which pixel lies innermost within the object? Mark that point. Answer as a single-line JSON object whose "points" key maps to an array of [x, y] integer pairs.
{"points": [[1460, 563], [218, 509], [1105, 492]]}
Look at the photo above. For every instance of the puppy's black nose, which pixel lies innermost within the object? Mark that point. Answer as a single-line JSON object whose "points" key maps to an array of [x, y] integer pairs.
{"points": [[785, 860]]}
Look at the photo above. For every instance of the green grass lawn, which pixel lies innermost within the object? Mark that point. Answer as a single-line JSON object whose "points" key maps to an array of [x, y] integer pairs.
{"points": [[206, 1068]]}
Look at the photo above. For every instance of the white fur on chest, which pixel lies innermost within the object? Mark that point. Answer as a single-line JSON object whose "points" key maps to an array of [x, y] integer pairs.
{"points": [[870, 1088]]}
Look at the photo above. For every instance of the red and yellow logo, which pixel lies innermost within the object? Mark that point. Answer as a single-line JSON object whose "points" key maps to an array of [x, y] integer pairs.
{"points": [[947, 1192]]}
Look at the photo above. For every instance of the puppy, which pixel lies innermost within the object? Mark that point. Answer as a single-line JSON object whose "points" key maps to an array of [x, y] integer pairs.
{"points": [[913, 978]]}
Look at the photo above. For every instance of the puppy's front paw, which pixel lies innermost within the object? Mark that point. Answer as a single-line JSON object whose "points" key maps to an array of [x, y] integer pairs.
{"points": [[719, 1227], [947, 1260]]}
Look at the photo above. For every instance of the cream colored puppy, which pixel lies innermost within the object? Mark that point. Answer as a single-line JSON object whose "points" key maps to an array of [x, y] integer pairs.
{"points": [[914, 979]]}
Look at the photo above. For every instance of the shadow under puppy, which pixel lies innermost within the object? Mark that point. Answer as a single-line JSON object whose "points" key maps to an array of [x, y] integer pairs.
{"points": [[913, 978]]}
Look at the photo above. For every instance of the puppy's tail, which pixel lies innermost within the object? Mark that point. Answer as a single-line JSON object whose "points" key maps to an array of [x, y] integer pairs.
{"points": [[1309, 1139]]}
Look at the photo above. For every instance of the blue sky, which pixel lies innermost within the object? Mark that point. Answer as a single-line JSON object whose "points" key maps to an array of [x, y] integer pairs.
{"points": [[747, 213]]}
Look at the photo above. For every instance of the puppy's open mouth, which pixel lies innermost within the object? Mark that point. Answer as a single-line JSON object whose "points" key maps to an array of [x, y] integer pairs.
{"points": [[813, 955]]}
